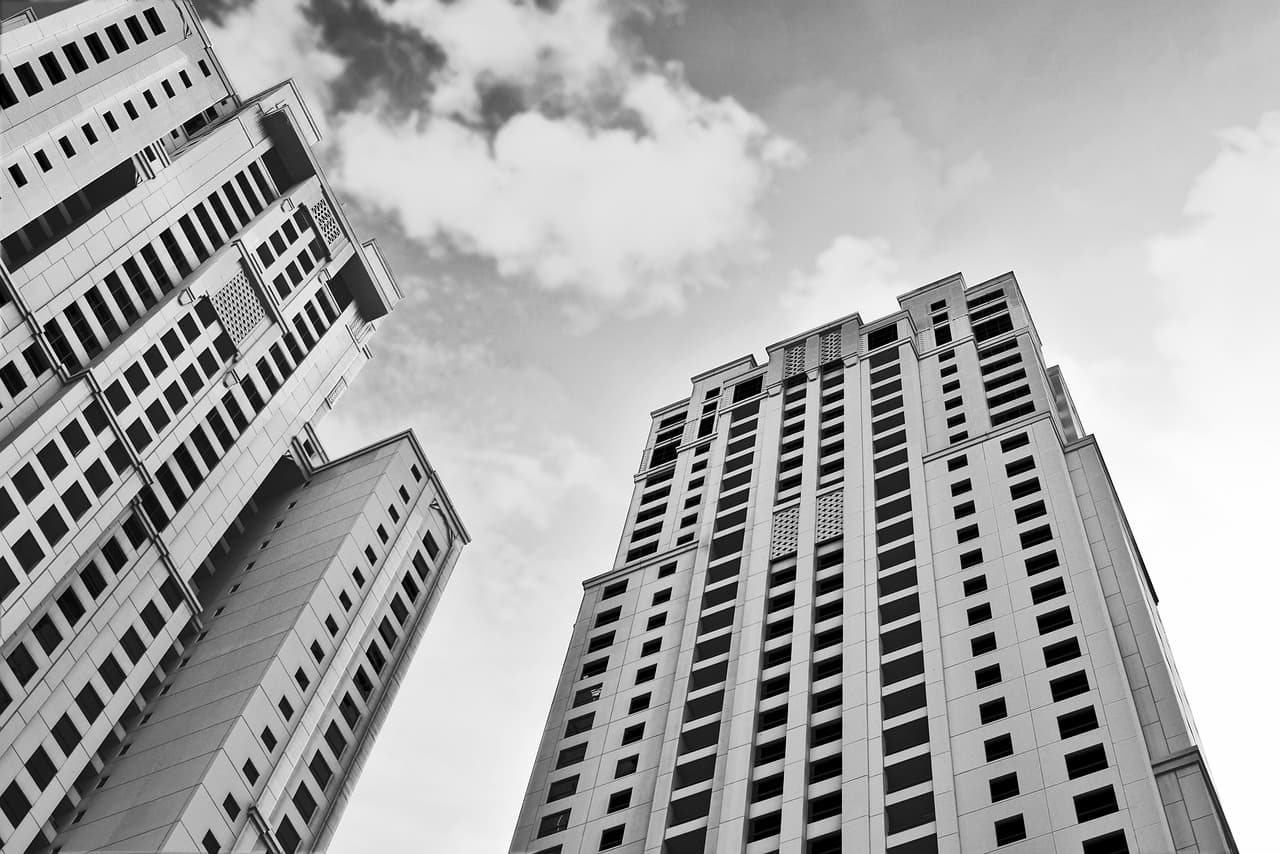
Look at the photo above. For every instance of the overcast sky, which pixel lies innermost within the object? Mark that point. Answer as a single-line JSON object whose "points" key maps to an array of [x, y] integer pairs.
{"points": [[589, 202]]}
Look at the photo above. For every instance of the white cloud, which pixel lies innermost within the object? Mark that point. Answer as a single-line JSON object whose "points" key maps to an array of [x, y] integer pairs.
{"points": [[613, 178], [263, 43], [852, 274]]}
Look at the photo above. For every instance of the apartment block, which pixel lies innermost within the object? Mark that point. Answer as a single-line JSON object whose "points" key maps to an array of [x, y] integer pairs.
{"points": [[876, 594], [203, 617]]}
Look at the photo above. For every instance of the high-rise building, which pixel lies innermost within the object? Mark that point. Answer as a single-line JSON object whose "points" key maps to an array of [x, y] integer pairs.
{"points": [[203, 617], [878, 595]]}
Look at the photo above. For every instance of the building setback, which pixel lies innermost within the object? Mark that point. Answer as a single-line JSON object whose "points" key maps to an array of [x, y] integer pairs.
{"points": [[203, 617], [877, 594]]}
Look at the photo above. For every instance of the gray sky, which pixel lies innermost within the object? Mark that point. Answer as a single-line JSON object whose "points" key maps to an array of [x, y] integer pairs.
{"points": [[587, 205]]}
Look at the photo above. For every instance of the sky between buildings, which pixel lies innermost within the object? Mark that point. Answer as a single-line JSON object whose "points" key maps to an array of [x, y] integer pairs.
{"points": [[586, 202]]}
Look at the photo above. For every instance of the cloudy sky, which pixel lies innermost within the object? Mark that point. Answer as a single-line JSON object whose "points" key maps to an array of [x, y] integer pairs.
{"points": [[587, 201]]}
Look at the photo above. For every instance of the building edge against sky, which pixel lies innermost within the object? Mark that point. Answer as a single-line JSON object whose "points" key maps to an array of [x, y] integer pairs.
{"points": [[877, 594], [203, 618]]}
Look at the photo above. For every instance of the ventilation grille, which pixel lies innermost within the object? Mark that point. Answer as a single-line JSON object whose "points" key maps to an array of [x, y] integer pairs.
{"points": [[832, 342], [786, 534], [325, 222], [238, 306], [830, 522], [793, 362]]}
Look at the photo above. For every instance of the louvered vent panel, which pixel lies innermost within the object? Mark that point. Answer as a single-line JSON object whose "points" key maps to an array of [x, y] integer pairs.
{"points": [[793, 362], [830, 521], [325, 222], [786, 535], [238, 306], [831, 344]]}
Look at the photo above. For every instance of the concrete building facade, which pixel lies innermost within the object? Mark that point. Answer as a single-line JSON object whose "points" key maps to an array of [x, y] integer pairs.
{"points": [[203, 618], [877, 594]]}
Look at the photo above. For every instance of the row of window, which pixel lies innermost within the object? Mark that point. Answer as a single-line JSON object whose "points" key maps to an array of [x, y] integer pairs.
{"points": [[1001, 368], [791, 438], [67, 146], [989, 315], [953, 406], [686, 530], [831, 424], [666, 442], [31, 83], [693, 495], [157, 267], [649, 515], [824, 724], [941, 322]]}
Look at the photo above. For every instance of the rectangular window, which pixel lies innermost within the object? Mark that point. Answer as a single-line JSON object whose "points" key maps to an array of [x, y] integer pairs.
{"points": [[1071, 685], [1095, 804], [998, 747], [1086, 761], [1054, 620], [117, 39], [987, 676], [1003, 787], [577, 725], [1048, 590], [992, 711], [1079, 721], [1012, 829], [135, 29], [49, 63], [153, 21], [1062, 651], [1035, 536]]}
